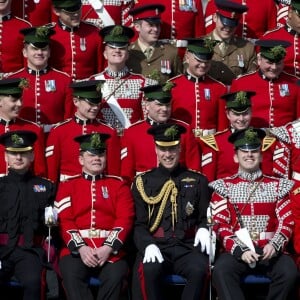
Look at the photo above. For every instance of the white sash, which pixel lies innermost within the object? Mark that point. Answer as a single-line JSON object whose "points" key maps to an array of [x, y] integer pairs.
{"points": [[102, 13]]}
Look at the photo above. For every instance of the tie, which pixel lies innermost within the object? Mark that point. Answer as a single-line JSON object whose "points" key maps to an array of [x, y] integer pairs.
{"points": [[148, 52], [223, 47]]}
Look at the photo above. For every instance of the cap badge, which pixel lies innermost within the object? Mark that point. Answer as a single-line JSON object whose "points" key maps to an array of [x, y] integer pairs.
{"points": [[189, 209]]}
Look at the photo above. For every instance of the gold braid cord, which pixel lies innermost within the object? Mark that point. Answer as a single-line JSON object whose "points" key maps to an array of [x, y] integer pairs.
{"points": [[163, 196]]}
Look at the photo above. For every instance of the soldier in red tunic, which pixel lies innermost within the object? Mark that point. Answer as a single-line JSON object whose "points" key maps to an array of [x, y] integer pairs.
{"points": [[277, 98], [122, 97], [289, 32], [107, 12], [11, 40], [217, 151], [61, 151], [196, 95], [138, 148], [49, 99], [37, 12], [95, 213], [10, 106], [253, 222], [254, 23], [76, 46]]}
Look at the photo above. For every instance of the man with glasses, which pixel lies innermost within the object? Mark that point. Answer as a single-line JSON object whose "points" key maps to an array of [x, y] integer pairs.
{"points": [[76, 46], [290, 33], [234, 55], [195, 95]]}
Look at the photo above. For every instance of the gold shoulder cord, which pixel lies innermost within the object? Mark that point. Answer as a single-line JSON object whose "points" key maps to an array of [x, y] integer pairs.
{"points": [[167, 189]]}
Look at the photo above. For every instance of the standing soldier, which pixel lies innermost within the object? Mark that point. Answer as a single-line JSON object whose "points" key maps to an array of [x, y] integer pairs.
{"points": [[96, 215], [61, 151], [233, 55], [217, 151], [147, 55], [122, 98], [180, 19], [11, 40], [138, 148], [37, 12], [289, 32], [255, 21], [49, 99], [277, 98], [10, 107], [195, 95], [76, 46], [107, 12]]}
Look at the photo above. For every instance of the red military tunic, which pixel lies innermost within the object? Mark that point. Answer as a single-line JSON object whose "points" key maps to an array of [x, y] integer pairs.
{"points": [[292, 58], [197, 102], [138, 149], [62, 151], [76, 51], [275, 103], [259, 18], [287, 164], [94, 203], [125, 87], [37, 12], [11, 43], [181, 19], [39, 164], [48, 100], [117, 10], [267, 215], [218, 152]]}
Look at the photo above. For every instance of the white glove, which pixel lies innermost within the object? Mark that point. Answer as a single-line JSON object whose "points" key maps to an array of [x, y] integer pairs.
{"points": [[202, 238], [50, 215], [152, 252]]}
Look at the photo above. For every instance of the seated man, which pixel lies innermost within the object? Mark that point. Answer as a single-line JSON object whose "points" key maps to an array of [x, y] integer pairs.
{"points": [[24, 198], [170, 227], [254, 223], [95, 216]]}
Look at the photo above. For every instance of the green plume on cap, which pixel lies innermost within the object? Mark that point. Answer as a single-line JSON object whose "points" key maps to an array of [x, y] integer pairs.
{"points": [[154, 75], [250, 135], [168, 86], [278, 52], [99, 86], [24, 83], [241, 98], [17, 140], [42, 32], [96, 141], [171, 132], [210, 44], [116, 31]]}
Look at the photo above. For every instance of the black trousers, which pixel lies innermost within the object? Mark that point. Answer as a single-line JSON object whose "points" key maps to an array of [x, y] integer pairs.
{"points": [[27, 267], [75, 275], [190, 263], [228, 271]]}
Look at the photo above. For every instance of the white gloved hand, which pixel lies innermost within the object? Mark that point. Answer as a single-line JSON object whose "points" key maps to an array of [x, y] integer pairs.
{"points": [[202, 237], [152, 252], [50, 215]]}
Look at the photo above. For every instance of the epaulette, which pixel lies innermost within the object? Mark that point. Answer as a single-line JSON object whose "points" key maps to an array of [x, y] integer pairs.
{"points": [[213, 79], [268, 141], [31, 122], [61, 72], [246, 74], [195, 171], [179, 121], [62, 122], [210, 141], [141, 173], [102, 122], [175, 77], [272, 30], [135, 123], [13, 73]]}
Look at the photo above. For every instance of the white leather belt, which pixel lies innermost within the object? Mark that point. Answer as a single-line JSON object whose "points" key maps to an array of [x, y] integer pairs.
{"points": [[266, 235], [296, 176], [174, 42], [64, 177], [94, 233], [203, 132]]}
